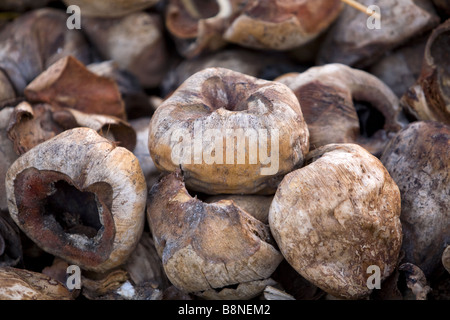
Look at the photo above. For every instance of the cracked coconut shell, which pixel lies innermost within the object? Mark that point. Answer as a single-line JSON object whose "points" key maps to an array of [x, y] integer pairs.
{"points": [[337, 216], [206, 249], [79, 197]]}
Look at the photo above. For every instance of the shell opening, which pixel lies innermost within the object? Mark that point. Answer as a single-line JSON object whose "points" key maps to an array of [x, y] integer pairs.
{"points": [[74, 210], [371, 120]]}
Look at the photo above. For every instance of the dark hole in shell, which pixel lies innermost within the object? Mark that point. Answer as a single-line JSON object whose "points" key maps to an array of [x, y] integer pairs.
{"points": [[74, 210], [370, 119]]}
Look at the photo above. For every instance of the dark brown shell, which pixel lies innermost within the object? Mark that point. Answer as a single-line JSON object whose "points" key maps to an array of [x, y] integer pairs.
{"points": [[10, 242], [68, 83], [429, 98], [328, 96]]}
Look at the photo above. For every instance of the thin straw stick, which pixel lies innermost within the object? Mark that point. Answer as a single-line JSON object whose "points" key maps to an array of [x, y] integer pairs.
{"points": [[362, 8]]}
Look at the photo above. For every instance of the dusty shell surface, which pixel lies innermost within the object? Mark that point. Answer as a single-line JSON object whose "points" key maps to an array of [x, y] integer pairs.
{"points": [[282, 25], [79, 175], [19, 284], [337, 216], [110, 8], [36, 40], [199, 27], [418, 161], [356, 41], [327, 97], [135, 42], [205, 247], [200, 125]]}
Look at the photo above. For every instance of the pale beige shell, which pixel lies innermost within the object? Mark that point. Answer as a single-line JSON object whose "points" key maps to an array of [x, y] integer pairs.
{"points": [[90, 163], [110, 8], [19, 284], [282, 25], [337, 216], [207, 247], [221, 101]]}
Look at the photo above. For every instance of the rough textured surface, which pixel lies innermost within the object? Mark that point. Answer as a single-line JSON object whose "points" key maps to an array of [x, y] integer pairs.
{"points": [[200, 27], [110, 8], [110, 176], [229, 105], [206, 247], [337, 216], [18, 284], [36, 40], [327, 96], [68, 83], [429, 98], [352, 43], [135, 42], [282, 25], [31, 125], [418, 161]]}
